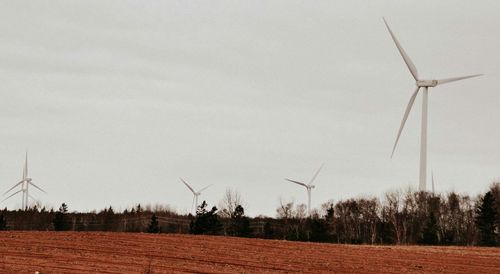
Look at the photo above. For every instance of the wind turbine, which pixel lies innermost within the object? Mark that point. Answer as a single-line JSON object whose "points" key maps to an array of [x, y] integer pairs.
{"points": [[196, 194], [425, 85], [308, 187], [24, 183]]}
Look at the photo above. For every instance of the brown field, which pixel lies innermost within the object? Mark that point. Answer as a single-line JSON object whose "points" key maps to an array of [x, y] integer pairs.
{"points": [[81, 252]]}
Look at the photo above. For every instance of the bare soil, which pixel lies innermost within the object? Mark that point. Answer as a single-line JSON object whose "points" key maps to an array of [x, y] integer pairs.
{"points": [[99, 252]]}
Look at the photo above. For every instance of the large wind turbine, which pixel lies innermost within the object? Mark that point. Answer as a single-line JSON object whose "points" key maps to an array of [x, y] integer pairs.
{"points": [[424, 85], [24, 183], [308, 187], [196, 194]]}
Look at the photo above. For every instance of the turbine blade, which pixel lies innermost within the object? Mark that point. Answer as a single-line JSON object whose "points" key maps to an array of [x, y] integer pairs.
{"points": [[449, 80], [316, 174], [406, 58], [299, 183], [407, 112], [190, 188], [13, 187], [25, 168], [11, 195], [199, 191], [31, 183]]}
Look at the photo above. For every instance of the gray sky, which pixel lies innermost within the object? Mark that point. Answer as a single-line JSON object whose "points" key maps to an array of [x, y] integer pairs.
{"points": [[115, 100]]}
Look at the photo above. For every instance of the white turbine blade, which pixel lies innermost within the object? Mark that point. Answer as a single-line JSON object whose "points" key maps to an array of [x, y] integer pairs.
{"points": [[13, 187], [299, 183], [25, 168], [11, 195], [407, 112], [449, 80], [199, 191], [31, 183], [406, 58], [316, 174], [190, 188]]}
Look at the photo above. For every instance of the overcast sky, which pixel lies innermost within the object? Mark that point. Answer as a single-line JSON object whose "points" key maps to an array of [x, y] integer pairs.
{"points": [[115, 100]]}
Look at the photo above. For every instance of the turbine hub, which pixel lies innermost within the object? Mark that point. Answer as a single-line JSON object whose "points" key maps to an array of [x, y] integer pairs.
{"points": [[427, 83]]}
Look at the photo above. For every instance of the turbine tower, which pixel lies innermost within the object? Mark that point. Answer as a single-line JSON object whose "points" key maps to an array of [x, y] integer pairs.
{"points": [[308, 187], [196, 194], [24, 183], [424, 85], [432, 177]]}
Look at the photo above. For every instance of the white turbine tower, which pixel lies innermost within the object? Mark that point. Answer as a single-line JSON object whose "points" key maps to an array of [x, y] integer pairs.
{"points": [[24, 183], [308, 187], [432, 177], [425, 85], [196, 194]]}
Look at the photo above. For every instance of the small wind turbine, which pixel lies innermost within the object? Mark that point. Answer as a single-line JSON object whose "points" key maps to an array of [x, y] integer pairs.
{"points": [[196, 194], [24, 183], [425, 85], [308, 187]]}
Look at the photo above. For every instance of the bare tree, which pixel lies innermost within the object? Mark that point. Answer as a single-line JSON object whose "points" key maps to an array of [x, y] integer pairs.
{"points": [[369, 209], [232, 198], [392, 212], [285, 210], [300, 211]]}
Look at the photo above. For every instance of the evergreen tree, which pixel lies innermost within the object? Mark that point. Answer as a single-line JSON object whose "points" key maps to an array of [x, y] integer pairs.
{"points": [[319, 229], [431, 227], [495, 191], [60, 222], [485, 220], [268, 231], [430, 231], [3, 223], [205, 222], [240, 224], [154, 226], [330, 213], [385, 232], [108, 219], [330, 222]]}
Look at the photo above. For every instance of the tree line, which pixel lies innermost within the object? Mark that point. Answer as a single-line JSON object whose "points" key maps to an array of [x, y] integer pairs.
{"points": [[400, 217]]}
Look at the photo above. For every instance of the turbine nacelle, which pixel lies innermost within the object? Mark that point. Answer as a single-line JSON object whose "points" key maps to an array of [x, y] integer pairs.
{"points": [[427, 83], [25, 183]]}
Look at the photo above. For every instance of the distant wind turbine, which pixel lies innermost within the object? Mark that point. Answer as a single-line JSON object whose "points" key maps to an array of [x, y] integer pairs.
{"points": [[196, 194], [425, 85], [308, 187], [24, 183]]}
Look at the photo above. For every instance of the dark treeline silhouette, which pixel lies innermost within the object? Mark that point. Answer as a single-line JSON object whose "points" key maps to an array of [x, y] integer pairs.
{"points": [[401, 217]]}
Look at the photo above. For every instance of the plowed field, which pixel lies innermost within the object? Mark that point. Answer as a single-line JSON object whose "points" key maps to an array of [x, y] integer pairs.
{"points": [[78, 252]]}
